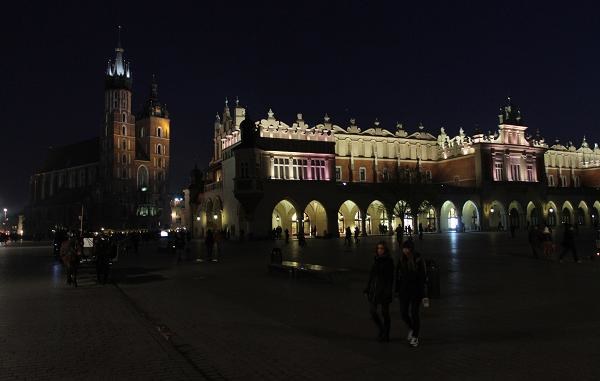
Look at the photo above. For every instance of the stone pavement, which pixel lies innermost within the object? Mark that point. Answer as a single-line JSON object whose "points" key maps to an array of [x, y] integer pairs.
{"points": [[502, 315]]}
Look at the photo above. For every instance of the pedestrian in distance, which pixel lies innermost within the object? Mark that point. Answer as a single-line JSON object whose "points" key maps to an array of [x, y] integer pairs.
{"points": [[379, 290], [420, 231], [209, 242], [218, 244], [399, 234], [411, 276], [533, 238], [348, 240], [547, 243], [287, 236], [70, 255], [568, 244], [356, 234], [409, 230]]}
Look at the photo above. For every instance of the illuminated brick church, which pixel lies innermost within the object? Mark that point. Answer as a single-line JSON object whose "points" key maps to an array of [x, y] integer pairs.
{"points": [[119, 178], [322, 178]]}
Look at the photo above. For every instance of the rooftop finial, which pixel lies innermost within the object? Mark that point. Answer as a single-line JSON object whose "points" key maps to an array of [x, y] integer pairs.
{"points": [[226, 102], [237, 101], [119, 37]]}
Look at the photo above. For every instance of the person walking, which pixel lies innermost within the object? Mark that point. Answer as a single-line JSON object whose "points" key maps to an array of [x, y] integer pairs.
{"points": [[287, 236], [547, 243], [348, 240], [568, 244], [533, 238], [420, 231], [379, 290], [356, 233], [410, 288], [399, 234], [70, 254], [209, 242]]}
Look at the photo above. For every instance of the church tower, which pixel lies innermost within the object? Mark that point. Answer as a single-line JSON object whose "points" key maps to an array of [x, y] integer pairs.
{"points": [[118, 138]]}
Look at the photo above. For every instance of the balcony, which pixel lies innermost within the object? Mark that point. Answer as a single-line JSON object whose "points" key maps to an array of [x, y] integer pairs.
{"points": [[217, 185]]}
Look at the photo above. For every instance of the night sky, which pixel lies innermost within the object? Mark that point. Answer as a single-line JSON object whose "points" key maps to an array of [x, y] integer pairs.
{"points": [[444, 64]]}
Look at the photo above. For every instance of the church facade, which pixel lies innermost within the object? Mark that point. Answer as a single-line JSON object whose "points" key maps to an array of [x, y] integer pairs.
{"points": [[117, 180], [321, 179]]}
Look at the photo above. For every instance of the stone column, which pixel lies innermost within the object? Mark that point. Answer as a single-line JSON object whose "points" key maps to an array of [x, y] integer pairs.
{"points": [[363, 224]]}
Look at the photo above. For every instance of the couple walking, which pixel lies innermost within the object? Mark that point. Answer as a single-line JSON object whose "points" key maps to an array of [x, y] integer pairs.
{"points": [[410, 276]]}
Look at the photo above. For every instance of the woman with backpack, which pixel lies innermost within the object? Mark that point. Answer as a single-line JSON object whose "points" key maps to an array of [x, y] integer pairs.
{"points": [[379, 289], [410, 287]]}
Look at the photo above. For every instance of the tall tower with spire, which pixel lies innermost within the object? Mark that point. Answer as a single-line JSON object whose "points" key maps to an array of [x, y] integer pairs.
{"points": [[118, 136]]}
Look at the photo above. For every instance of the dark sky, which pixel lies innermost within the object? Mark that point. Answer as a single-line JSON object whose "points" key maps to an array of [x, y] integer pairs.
{"points": [[449, 64]]}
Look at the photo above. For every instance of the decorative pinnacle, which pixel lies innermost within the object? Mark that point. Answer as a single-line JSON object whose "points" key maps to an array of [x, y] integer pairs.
{"points": [[376, 122], [326, 118], [270, 113], [237, 101]]}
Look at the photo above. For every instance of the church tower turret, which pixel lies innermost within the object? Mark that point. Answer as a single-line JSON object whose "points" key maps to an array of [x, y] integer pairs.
{"points": [[118, 137]]}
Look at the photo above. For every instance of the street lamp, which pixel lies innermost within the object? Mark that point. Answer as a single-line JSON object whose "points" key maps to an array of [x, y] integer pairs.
{"points": [[5, 211], [492, 209], [551, 210]]}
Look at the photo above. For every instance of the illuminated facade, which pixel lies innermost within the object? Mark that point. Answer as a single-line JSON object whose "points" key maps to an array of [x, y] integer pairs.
{"points": [[321, 179], [120, 178]]}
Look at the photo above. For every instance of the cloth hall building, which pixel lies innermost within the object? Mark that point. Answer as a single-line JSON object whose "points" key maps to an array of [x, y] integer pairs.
{"points": [[323, 178]]}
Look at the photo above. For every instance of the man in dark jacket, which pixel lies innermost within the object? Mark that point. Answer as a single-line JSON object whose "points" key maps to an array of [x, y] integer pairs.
{"points": [[568, 243], [410, 287], [379, 289]]}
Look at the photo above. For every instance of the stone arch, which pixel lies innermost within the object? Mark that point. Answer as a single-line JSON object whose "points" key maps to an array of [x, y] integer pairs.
{"points": [[403, 214], [567, 215], [427, 216], [285, 215], [449, 217], [551, 214], [349, 215], [582, 216], [377, 218], [516, 214], [533, 214], [317, 219], [595, 214], [470, 216], [497, 216]]}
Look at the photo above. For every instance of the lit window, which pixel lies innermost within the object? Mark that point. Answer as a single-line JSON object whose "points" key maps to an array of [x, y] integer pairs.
{"points": [[498, 171], [338, 173], [362, 174], [529, 172], [515, 172]]}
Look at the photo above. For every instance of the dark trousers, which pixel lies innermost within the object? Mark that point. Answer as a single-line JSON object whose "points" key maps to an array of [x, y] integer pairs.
{"points": [[570, 248], [209, 251], [409, 309], [384, 327]]}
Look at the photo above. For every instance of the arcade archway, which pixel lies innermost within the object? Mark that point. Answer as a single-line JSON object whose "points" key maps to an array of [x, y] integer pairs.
{"points": [[427, 217], [470, 216], [316, 224], [567, 213], [377, 220], [515, 214], [403, 215], [497, 216], [583, 214], [349, 215], [285, 216], [449, 217]]}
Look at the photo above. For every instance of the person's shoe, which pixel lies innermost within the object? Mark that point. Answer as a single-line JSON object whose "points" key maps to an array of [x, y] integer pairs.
{"points": [[410, 336], [214, 260], [414, 342]]}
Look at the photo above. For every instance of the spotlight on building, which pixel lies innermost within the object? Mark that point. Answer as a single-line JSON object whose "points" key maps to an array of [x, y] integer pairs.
{"points": [[215, 216]]}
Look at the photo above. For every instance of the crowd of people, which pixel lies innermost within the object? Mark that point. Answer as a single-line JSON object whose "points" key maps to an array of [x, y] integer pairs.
{"points": [[541, 241]]}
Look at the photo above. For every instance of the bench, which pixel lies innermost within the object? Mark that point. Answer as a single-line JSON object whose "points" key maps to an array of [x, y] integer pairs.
{"points": [[295, 269]]}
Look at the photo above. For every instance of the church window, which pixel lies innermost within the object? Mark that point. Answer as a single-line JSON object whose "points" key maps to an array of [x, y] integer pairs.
{"points": [[124, 159], [317, 169], [159, 149], [576, 182], [124, 119], [124, 144], [159, 132]]}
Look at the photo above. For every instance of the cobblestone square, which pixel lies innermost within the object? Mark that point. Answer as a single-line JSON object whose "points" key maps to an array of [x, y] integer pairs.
{"points": [[502, 315]]}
